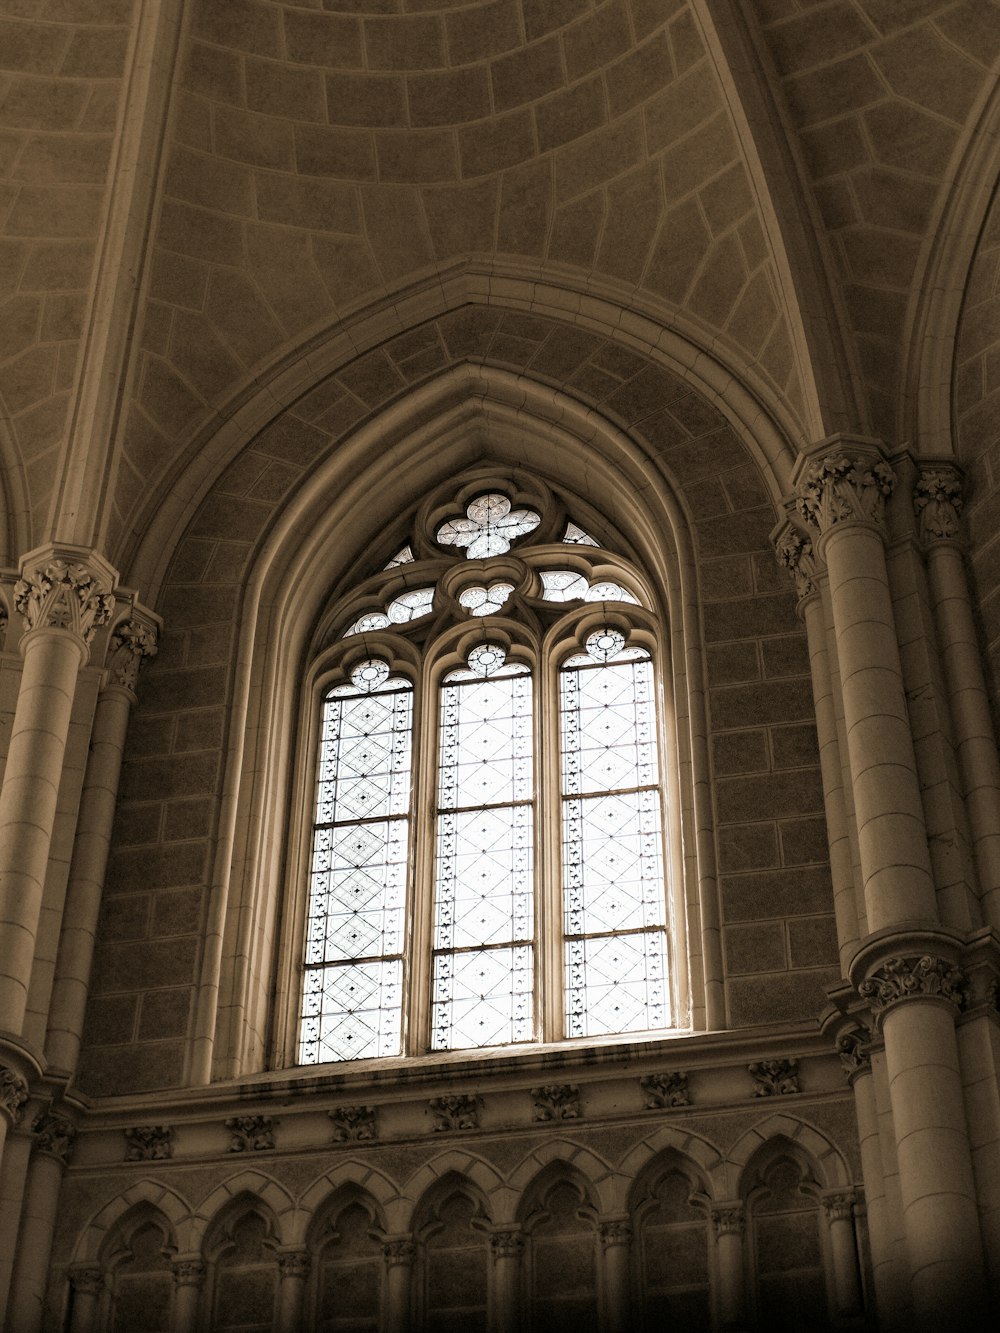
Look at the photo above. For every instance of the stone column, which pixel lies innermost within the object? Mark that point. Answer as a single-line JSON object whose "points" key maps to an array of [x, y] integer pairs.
{"points": [[87, 1284], [842, 496], [915, 1000], [795, 552], [63, 596], [937, 499], [507, 1247], [13, 1095], [399, 1253], [616, 1237], [132, 642], [189, 1278], [838, 1207], [294, 1266], [53, 1135], [728, 1225]]}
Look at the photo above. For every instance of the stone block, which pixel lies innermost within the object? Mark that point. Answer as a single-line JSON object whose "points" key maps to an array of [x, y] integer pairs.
{"points": [[260, 141], [576, 230], [159, 779], [780, 997], [213, 72], [331, 40], [787, 655], [209, 182], [110, 1019], [123, 917], [795, 746], [200, 730], [406, 156], [748, 530], [766, 894], [164, 1013], [496, 144], [754, 948], [480, 31], [200, 234], [42, 104], [769, 796], [137, 824], [527, 74], [740, 752], [747, 847], [803, 841], [594, 40], [306, 202], [750, 617], [106, 1071], [187, 819], [407, 42], [245, 25], [448, 97], [155, 963], [640, 75], [770, 701], [525, 209], [55, 211], [141, 869], [366, 100], [395, 229], [593, 161], [812, 941], [835, 90], [462, 218], [630, 226], [96, 53], [683, 240], [727, 579], [729, 663]]}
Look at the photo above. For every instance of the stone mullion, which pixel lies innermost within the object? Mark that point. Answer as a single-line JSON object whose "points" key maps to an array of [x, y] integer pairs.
{"points": [[508, 1250], [616, 1238], [399, 1253], [87, 1285], [838, 1208], [938, 500], [294, 1266], [189, 1278], [132, 641]]}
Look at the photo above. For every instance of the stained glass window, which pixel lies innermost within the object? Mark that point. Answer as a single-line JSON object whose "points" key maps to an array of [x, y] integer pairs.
{"points": [[484, 890], [427, 916], [613, 891], [353, 994], [490, 525]]}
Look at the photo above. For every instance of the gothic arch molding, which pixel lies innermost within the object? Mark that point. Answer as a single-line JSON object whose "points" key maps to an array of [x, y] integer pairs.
{"points": [[704, 1156], [149, 1193], [254, 1190], [831, 1169]]}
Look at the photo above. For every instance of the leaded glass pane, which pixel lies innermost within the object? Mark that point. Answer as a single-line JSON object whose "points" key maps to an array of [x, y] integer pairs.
{"points": [[613, 881], [482, 601], [404, 556], [566, 585], [575, 536], [352, 1005], [490, 527], [482, 998], [410, 605], [371, 620], [484, 882]]}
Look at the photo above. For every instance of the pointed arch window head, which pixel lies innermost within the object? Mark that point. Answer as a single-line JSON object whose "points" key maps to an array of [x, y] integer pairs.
{"points": [[487, 864]]}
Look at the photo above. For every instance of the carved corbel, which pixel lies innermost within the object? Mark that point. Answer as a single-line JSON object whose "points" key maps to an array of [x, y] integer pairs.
{"points": [[938, 502], [132, 642], [13, 1094]]}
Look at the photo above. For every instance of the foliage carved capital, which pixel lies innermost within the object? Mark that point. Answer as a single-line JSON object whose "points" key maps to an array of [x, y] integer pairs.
{"points": [[54, 1135], [132, 642], [188, 1272], [794, 552], [60, 593], [938, 502], [840, 488], [729, 1220], [924, 977], [13, 1093]]}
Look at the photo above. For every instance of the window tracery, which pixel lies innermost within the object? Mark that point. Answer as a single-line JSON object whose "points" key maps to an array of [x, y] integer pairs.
{"points": [[476, 699]]}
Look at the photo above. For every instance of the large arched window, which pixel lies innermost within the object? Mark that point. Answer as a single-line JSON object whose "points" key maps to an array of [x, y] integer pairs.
{"points": [[489, 859]]}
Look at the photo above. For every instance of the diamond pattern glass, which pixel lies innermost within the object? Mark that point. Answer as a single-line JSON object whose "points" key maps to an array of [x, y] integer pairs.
{"points": [[490, 527], [353, 999], [484, 881], [614, 904]]}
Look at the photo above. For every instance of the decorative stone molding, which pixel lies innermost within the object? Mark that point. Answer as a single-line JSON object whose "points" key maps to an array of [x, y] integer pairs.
{"points": [[3, 626], [13, 1093], [900, 979], [556, 1101], [839, 1206], [461, 1112], [353, 1124], [148, 1143], [86, 1281], [938, 503], [295, 1263], [250, 1133], [855, 1056], [64, 594], [54, 1135], [794, 552], [841, 489], [131, 643], [729, 1220], [188, 1272], [507, 1244], [664, 1090], [774, 1078], [401, 1250], [616, 1231]]}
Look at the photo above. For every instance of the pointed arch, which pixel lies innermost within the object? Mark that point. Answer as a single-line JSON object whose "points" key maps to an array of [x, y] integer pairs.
{"points": [[351, 1174], [827, 1160], [704, 1157], [151, 1194], [460, 1165], [249, 1189], [608, 1186]]}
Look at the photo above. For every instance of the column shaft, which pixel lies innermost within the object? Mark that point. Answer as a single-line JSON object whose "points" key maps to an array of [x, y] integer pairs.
{"points": [[38, 1220], [728, 1224], [52, 659], [615, 1237], [83, 895], [13, 1178]]}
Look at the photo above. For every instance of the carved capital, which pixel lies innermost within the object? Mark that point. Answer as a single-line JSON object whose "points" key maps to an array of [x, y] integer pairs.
{"points": [[556, 1101], [616, 1231], [855, 1054], [729, 1220], [13, 1093], [924, 977], [401, 1250], [774, 1078], [250, 1133], [58, 592], [131, 643], [664, 1090], [839, 1206], [506, 1244], [353, 1124], [54, 1135], [295, 1264], [842, 488], [457, 1112], [938, 503], [188, 1272], [148, 1143], [87, 1281], [794, 552]]}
